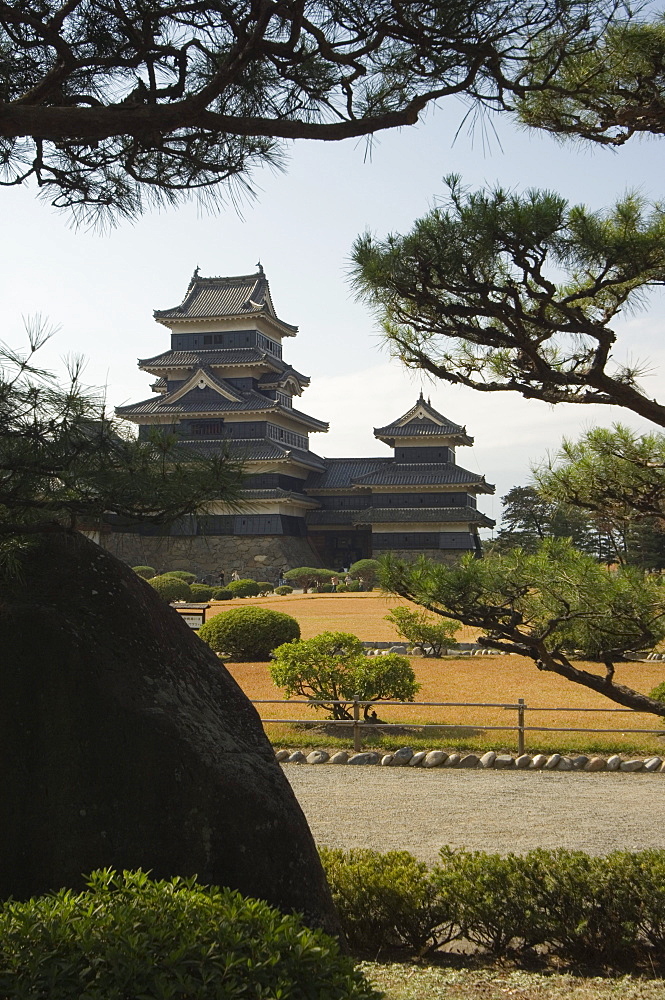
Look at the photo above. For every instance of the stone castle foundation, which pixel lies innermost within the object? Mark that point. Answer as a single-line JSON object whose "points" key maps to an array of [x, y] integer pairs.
{"points": [[256, 557]]}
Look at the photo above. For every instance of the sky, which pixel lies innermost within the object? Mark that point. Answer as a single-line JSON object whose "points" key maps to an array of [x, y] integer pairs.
{"points": [[99, 289]]}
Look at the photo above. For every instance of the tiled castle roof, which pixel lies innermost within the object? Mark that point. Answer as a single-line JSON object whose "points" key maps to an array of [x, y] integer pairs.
{"points": [[405, 515], [219, 358], [340, 473], [349, 472], [406, 474], [215, 298], [422, 420], [204, 404], [418, 428], [466, 515], [256, 450], [251, 402]]}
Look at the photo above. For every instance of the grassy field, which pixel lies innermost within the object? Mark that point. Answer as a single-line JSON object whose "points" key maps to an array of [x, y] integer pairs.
{"points": [[500, 679], [413, 982]]}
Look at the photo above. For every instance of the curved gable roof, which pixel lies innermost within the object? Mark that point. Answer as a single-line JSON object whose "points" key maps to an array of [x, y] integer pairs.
{"points": [[422, 420], [218, 298]]}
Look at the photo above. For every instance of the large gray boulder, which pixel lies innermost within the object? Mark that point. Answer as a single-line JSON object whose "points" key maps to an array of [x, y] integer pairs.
{"points": [[124, 742]]}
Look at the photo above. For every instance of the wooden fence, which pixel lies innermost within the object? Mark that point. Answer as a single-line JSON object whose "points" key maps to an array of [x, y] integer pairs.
{"points": [[519, 725]]}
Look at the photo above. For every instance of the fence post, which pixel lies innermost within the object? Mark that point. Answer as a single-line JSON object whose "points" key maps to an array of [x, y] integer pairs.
{"points": [[356, 724], [520, 725]]}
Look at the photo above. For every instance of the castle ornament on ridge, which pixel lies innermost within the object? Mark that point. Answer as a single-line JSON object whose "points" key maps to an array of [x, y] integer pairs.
{"points": [[224, 385]]}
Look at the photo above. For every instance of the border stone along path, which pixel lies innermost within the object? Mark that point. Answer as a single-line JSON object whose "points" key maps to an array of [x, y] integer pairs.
{"points": [[391, 809]]}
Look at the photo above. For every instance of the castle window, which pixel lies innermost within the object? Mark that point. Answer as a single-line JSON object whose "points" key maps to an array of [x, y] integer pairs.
{"points": [[207, 339], [206, 428]]}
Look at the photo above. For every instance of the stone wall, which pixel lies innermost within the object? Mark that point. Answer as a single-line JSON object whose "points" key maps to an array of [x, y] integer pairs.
{"points": [[257, 557]]}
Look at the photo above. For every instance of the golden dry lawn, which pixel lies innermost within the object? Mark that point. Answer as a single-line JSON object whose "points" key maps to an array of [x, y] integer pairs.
{"points": [[426, 982], [495, 679]]}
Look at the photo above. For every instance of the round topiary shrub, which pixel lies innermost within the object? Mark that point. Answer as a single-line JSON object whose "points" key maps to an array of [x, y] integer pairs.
{"points": [[127, 935], [222, 594], [283, 590], [353, 587], [145, 571], [341, 588], [170, 588], [200, 592], [326, 588], [243, 588], [182, 574], [248, 634], [265, 587]]}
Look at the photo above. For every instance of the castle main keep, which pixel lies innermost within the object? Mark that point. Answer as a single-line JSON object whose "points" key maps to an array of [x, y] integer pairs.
{"points": [[223, 385]]}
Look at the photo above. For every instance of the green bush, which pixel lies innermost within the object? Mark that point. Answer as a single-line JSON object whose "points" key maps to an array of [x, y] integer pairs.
{"points": [[385, 900], [243, 588], [491, 899], [222, 594], [647, 878], [171, 588], [182, 574], [283, 590], [332, 667], [604, 912], [353, 586], [367, 571], [341, 588], [145, 571], [200, 592], [658, 692], [308, 577], [265, 587], [326, 588], [128, 936], [589, 907], [248, 634], [419, 628]]}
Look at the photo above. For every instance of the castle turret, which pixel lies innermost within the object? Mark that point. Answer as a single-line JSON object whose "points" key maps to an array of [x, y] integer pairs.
{"points": [[417, 502], [223, 386]]}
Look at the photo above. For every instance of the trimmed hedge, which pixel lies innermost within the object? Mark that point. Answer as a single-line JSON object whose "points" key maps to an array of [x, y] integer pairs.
{"points": [[308, 577], [171, 588], [604, 912], [201, 592], [145, 571], [248, 634], [182, 574], [128, 936], [222, 594], [265, 587], [243, 588], [367, 571], [283, 590], [386, 900]]}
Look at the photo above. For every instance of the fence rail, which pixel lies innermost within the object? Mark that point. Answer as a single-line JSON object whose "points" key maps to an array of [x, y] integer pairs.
{"points": [[519, 726]]}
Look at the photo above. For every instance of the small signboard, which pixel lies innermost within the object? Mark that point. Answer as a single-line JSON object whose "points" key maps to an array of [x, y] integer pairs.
{"points": [[194, 614]]}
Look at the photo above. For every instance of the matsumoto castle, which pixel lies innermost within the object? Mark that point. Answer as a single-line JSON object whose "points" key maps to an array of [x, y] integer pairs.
{"points": [[223, 384]]}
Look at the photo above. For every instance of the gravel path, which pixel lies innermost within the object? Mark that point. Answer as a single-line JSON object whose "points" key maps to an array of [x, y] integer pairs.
{"points": [[403, 809]]}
